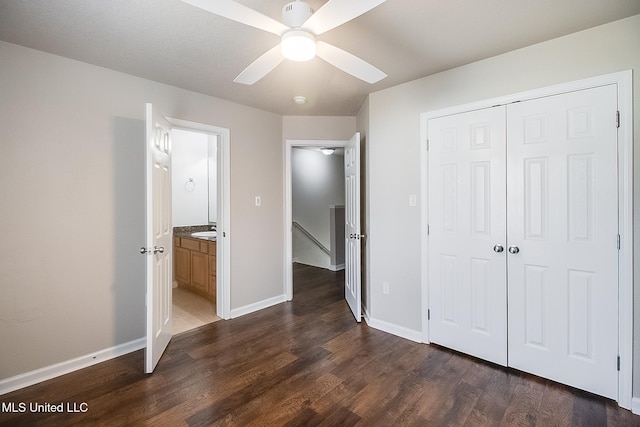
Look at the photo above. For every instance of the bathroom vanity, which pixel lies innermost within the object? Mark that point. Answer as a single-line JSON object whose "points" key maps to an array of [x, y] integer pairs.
{"points": [[194, 263]]}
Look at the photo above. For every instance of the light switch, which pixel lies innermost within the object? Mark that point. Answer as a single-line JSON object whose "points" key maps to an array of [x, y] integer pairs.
{"points": [[258, 201], [413, 200], [385, 288]]}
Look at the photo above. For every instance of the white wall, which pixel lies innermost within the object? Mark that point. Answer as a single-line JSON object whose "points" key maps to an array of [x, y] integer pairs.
{"points": [[72, 191], [213, 142], [190, 178], [317, 182], [393, 149]]}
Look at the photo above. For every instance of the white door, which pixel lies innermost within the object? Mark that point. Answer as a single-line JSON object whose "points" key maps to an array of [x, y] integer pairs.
{"points": [[353, 249], [466, 250], [159, 236], [563, 224]]}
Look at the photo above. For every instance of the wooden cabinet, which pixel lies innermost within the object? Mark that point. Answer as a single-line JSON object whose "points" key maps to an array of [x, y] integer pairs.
{"points": [[212, 269], [194, 265], [200, 271], [182, 260]]}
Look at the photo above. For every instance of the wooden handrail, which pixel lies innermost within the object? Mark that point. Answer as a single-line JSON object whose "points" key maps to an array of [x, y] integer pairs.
{"points": [[310, 236]]}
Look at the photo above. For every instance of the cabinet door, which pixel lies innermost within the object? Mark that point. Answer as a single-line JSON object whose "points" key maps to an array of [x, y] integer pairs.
{"points": [[466, 253], [182, 265], [212, 270], [200, 271], [212, 277]]}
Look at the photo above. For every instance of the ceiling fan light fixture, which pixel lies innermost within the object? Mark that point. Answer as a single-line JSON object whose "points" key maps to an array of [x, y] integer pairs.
{"points": [[298, 46]]}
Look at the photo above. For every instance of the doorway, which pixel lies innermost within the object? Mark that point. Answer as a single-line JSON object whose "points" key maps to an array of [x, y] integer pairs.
{"points": [[204, 182], [315, 198], [194, 210]]}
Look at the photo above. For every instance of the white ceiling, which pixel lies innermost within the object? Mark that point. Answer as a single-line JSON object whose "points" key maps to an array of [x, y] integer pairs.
{"points": [[175, 43]]}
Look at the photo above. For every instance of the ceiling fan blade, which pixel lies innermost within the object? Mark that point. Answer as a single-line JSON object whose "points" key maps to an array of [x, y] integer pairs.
{"points": [[260, 67], [240, 13], [349, 63], [336, 12]]}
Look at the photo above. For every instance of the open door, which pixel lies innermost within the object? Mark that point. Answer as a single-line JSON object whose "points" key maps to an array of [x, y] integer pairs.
{"points": [[353, 249], [158, 236]]}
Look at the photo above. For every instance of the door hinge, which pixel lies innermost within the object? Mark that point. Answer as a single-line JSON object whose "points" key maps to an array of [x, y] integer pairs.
{"points": [[428, 314], [427, 229], [427, 145], [618, 241], [618, 118], [618, 363]]}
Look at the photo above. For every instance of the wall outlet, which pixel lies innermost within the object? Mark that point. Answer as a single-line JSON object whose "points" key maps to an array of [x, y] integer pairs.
{"points": [[258, 201], [385, 288]]}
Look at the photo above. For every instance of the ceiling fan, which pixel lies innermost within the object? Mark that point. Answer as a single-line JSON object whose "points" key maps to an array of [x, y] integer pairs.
{"points": [[298, 30]]}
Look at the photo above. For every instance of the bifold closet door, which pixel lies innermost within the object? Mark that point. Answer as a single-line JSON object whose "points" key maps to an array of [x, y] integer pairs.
{"points": [[467, 270], [562, 229]]}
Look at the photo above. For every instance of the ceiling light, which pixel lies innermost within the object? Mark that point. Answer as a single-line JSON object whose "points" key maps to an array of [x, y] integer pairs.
{"points": [[298, 46], [327, 151], [300, 100]]}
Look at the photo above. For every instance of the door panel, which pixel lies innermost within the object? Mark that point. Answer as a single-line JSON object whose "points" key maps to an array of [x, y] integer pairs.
{"points": [[353, 249], [562, 205], [158, 237], [467, 278]]}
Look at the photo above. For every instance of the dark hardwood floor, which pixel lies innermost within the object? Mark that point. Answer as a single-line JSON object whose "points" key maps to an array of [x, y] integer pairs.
{"points": [[307, 362]]}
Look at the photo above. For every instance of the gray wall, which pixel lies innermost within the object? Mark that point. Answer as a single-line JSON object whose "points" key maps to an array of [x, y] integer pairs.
{"points": [[362, 126], [72, 189], [318, 127], [393, 149]]}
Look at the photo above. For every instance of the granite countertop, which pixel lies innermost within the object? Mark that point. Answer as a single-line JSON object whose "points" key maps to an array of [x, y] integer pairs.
{"points": [[185, 232]]}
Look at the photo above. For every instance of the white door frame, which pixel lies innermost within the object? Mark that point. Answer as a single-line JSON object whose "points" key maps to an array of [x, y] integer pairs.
{"points": [[623, 80], [288, 203], [223, 251]]}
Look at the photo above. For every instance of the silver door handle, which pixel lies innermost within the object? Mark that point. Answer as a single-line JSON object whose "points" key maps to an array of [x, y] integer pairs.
{"points": [[514, 249], [144, 250], [158, 249], [498, 248]]}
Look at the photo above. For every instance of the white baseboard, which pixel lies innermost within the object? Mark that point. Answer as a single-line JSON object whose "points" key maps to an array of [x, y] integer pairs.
{"points": [[392, 328], [635, 405], [241, 311], [33, 377], [338, 267]]}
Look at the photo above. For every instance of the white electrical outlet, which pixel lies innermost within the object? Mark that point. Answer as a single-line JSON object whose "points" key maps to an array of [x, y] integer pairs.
{"points": [[258, 201], [385, 288]]}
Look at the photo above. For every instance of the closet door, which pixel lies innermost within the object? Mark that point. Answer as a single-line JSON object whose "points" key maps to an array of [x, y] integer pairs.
{"points": [[467, 274], [562, 238]]}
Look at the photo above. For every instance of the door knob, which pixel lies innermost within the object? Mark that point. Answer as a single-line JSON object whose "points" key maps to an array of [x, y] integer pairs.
{"points": [[158, 249], [498, 248], [514, 249]]}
